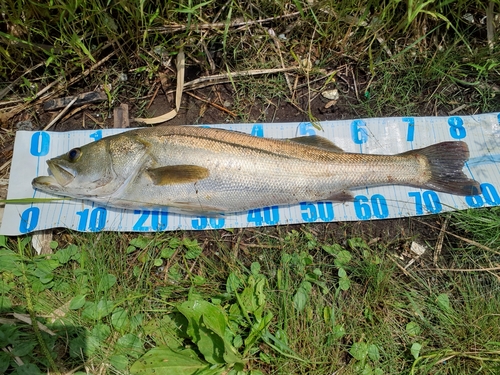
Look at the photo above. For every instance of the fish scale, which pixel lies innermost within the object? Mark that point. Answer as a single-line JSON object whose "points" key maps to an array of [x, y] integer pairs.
{"points": [[206, 170]]}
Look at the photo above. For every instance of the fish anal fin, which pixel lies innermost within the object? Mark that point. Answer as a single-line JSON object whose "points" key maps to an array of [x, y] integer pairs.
{"points": [[341, 196], [317, 141], [177, 174]]}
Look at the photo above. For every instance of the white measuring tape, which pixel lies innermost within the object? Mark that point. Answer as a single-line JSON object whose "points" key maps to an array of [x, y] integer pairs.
{"points": [[375, 136]]}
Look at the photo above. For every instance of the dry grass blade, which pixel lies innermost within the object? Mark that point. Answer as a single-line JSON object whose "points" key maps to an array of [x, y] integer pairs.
{"points": [[181, 68], [61, 114]]}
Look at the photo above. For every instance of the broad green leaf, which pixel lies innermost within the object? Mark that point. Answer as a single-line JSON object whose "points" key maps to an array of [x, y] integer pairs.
{"points": [[140, 242], [120, 320], [29, 369], [167, 253], [255, 268], [21, 349], [415, 350], [131, 345], [332, 249], [101, 332], [97, 311], [5, 303], [338, 331], [302, 295], [106, 282], [193, 249], [66, 254], [163, 360], [359, 350], [4, 362], [443, 301], [341, 272], [413, 329], [373, 352], [77, 302], [119, 361], [343, 258]]}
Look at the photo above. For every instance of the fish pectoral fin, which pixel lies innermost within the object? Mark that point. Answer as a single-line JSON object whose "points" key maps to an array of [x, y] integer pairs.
{"points": [[341, 196], [317, 141], [177, 174]]}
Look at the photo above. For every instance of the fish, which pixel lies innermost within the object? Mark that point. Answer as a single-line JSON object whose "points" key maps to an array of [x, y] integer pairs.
{"points": [[196, 170]]}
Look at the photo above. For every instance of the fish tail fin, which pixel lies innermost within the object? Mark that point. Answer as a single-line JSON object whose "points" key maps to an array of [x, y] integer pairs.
{"points": [[446, 161]]}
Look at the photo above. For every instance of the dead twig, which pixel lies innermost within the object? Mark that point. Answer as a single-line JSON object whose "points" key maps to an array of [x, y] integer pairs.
{"points": [[212, 104], [440, 240], [61, 113]]}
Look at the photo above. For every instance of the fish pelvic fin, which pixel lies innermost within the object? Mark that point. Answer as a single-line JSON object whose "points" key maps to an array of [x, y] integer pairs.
{"points": [[177, 174], [445, 163]]}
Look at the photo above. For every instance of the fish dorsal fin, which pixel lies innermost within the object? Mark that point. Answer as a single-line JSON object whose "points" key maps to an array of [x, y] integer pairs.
{"points": [[177, 174], [317, 141]]}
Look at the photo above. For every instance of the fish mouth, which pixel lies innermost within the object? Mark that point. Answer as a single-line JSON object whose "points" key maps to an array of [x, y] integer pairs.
{"points": [[62, 174]]}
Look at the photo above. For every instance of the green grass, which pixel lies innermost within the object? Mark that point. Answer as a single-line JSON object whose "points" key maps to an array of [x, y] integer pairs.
{"points": [[331, 302]]}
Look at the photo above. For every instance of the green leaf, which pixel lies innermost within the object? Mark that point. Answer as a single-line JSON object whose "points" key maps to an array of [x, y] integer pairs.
{"points": [[106, 283], [23, 348], [415, 350], [5, 304], [97, 311], [255, 268], [443, 301], [65, 255], [344, 283], [359, 350], [29, 369], [120, 320], [4, 362], [77, 302], [332, 249], [130, 344], [163, 360], [373, 352], [101, 332], [343, 258], [302, 295], [206, 327], [413, 329], [193, 249], [119, 361], [338, 331], [140, 242]]}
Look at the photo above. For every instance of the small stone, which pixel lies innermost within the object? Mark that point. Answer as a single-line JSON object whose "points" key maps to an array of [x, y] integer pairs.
{"points": [[331, 94]]}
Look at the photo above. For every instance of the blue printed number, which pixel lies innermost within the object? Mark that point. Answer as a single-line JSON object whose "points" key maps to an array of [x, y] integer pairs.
{"points": [[40, 144], [457, 130], [29, 219], [158, 221], [490, 195], [258, 130], [306, 128], [266, 215], [93, 222], [202, 222], [359, 132], [375, 206], [429, 199], [410, 135], [311, 211], [96, 136]]}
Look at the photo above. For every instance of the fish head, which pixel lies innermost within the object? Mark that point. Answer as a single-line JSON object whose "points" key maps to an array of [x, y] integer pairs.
{"points": [[97, 169]]}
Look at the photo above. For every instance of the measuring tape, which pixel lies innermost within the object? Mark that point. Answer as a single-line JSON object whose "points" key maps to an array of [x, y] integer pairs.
{"points": [[372, 136]]}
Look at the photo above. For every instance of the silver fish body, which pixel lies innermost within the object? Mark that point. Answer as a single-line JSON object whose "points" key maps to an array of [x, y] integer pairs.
{"points": [[207, 170]]}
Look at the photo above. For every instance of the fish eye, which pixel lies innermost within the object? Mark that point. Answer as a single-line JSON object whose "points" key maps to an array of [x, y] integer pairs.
{"points": [[74, 154]]}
